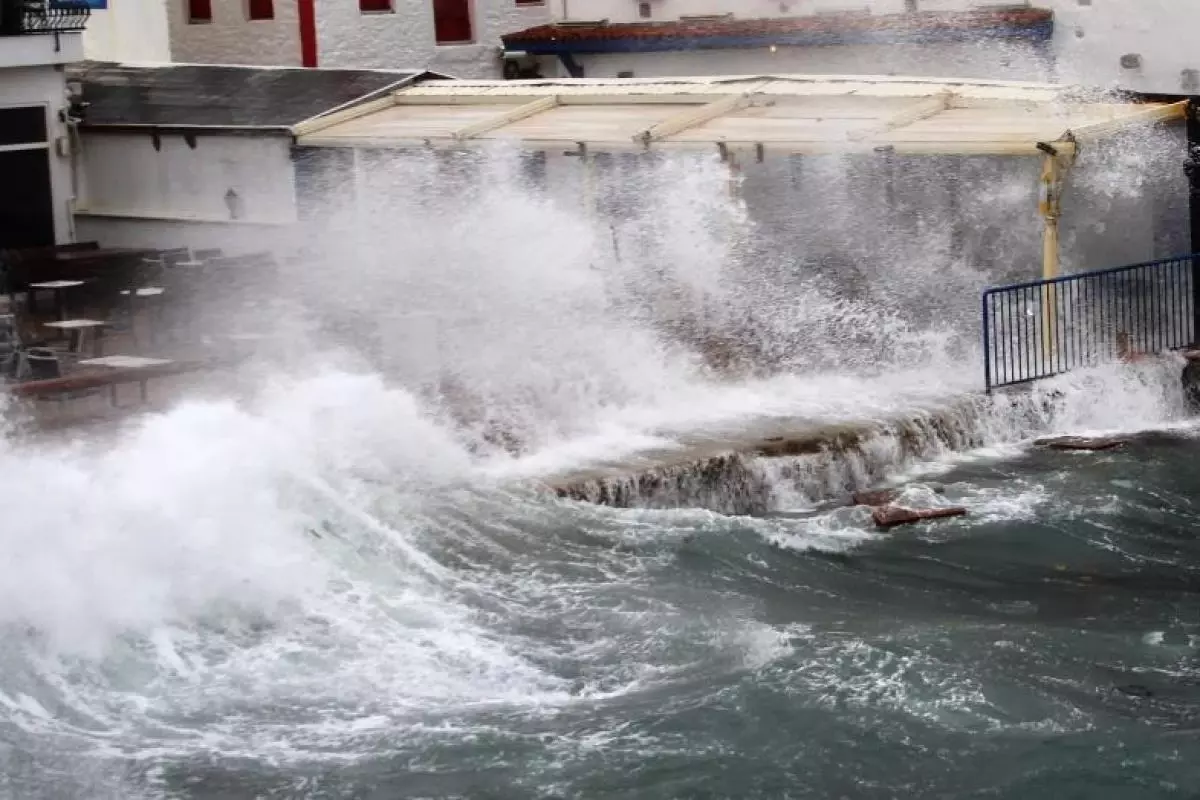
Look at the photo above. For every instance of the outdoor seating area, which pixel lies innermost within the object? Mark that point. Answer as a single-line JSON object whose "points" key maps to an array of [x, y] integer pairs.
{"points": [[81, 320]]}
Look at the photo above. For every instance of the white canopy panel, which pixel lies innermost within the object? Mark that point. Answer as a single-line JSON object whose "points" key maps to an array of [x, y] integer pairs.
{"points": [[786, 113]]}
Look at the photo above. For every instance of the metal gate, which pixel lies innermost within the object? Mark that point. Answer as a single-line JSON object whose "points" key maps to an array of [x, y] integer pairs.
{"points": [[1044, 328]]}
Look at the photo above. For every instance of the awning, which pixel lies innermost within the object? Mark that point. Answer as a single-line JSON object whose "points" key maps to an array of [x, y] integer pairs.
{"points": [[764, 114]]}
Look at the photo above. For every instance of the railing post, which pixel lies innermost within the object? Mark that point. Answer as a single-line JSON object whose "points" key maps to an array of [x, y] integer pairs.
{"points": [[987, 345]]}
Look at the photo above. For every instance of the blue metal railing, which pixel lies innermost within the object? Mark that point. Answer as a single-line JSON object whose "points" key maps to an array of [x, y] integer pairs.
{"points": [[1044, 328]]}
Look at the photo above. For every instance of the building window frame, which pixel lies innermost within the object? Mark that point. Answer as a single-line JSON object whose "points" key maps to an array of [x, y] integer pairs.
{"points": [[260, 10], [465, 16], [376, 6], [199, 12]]}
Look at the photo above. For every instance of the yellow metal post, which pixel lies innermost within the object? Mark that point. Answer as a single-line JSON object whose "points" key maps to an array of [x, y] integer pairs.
{"points": [[1049, 206], [1054, 166]]}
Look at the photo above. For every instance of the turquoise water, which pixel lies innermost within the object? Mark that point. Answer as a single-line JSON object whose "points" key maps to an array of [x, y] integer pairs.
{"points": [[483, 643]]}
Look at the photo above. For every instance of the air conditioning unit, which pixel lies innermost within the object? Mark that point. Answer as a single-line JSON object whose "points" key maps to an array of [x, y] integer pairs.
{"points": [[518, 65]]}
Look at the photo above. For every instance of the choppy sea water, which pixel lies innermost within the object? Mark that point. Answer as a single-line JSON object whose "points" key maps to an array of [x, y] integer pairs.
{"points": [[317, 599]]}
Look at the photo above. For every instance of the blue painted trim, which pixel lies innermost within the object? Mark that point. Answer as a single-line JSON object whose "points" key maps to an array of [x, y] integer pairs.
{"points": [[94, 5], [1040, 32]]}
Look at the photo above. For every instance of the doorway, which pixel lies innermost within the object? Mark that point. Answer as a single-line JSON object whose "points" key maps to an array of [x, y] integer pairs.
{"points": [[27, 209]]}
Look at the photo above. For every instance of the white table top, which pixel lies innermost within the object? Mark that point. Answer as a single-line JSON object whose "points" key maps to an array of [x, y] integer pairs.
{"points": [[127, 362], [71, 324], [56, 284], [146, 291]]}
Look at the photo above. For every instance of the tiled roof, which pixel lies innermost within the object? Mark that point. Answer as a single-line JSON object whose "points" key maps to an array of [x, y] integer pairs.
{"points": [[825, 29]]}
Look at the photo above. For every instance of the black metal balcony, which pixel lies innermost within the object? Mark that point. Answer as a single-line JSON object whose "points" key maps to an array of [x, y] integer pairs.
{"points": [[23, 17]]}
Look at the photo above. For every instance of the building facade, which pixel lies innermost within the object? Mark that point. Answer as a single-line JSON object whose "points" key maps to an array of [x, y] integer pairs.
{"points": [[1111, 43], [36, 138], [457, 37], [127, 30], [177, 155], [1095, 42]]}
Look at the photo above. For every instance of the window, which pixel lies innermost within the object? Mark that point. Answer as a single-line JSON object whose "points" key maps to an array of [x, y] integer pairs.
{"points": [[644, 10], [375, 6], [260, 9], [452, 21], [23, 125], [530, 2], [199, 10]]}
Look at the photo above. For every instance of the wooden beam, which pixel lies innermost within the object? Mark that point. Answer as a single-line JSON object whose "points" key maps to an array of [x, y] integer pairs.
{"points": [[692, 117], [516, 114], [408, 98], [1144, 116], [748, 148], [310, 126], [922, 109]]}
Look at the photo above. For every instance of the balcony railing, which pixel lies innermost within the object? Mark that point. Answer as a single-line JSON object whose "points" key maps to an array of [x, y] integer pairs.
{"points": [[22, 17]]}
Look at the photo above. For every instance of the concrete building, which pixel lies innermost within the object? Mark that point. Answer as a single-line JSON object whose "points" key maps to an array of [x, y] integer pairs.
{"points": [[457, 37], [36, 41], [187, 155], [1141, 47], [127, 30]]}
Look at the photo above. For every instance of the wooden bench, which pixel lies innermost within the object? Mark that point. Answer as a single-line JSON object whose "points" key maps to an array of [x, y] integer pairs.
{"points": [[101, 377]]}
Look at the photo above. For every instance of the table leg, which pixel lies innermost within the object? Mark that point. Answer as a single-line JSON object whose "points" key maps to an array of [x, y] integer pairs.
{"points": [[145, 394], [112, 395], [98, 342]]}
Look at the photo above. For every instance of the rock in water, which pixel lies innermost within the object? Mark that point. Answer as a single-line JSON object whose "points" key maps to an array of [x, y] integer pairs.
{"points": [[874, 497], [890, 516], [1088, 443]]}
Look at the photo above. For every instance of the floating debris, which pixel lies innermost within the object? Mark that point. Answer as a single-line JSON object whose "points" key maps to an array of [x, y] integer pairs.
{"points": [[887, 517], [1085, 443]]}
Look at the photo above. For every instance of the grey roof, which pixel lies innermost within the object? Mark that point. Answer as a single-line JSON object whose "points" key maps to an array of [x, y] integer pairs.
{"points": [[201, 95]]}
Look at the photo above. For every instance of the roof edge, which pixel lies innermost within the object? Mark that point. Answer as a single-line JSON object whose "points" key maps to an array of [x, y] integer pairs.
{"points": [[848, 28]]}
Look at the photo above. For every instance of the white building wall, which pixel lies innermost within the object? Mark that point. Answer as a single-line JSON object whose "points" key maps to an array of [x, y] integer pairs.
{"points": [[133, 194], [405, 38], [231, 38], [1002, 60], [1090, 40], [133, 31], [40, 50], [348, 38], [46, 86]]}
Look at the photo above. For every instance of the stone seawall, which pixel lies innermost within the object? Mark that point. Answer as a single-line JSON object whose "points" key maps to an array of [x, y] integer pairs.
{"points": [[808, 466]]}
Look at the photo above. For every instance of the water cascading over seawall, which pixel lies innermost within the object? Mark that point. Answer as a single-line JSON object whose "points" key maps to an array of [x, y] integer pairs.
{"points": [[793, 465], [836, 298]]}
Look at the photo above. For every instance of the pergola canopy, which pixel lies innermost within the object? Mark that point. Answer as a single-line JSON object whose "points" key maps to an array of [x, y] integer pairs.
{"points": [[800, 114]]}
